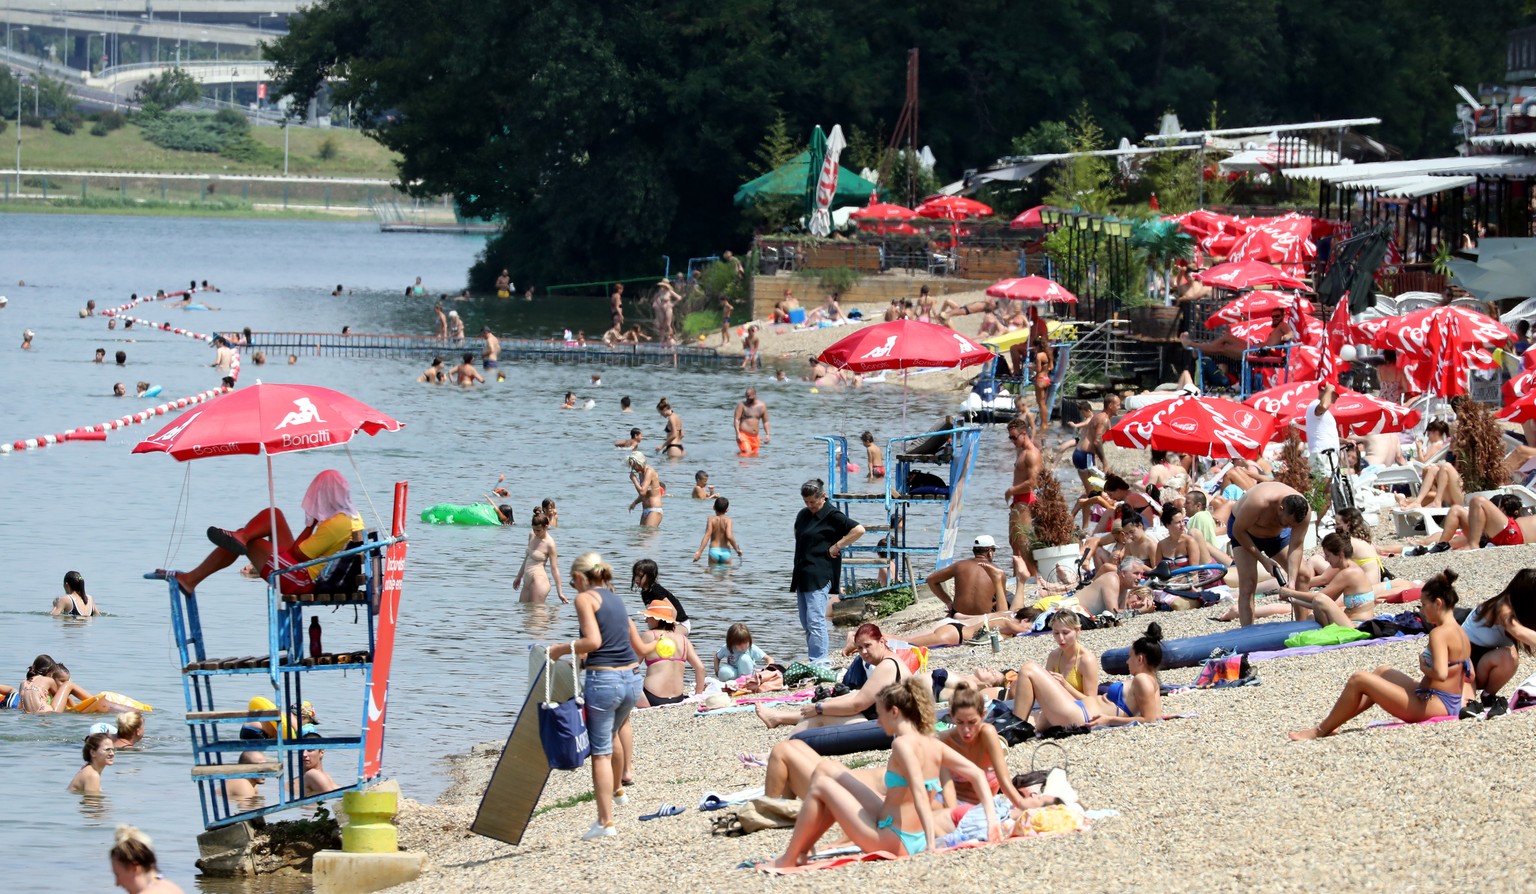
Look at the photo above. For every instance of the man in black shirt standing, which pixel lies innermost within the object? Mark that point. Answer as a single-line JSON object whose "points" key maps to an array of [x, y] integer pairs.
{"points": [[821, 534]]}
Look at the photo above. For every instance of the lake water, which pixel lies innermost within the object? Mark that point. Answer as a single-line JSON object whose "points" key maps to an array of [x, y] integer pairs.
{"points": [[460, 664]]}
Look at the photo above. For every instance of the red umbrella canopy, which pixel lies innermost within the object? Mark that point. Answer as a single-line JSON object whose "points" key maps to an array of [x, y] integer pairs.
{"points": [[1256, 304], [883, 211], [1200, 426], [267, 418], [1248, 275], [904, 344], [1284, 241], [1358, 414], [1521, 411], [953, 208], [1256, 332], [1029, 220], [1036, 289], [1410, 332]]}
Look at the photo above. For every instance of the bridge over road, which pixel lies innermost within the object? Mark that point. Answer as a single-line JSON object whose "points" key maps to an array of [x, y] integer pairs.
{"points": [[122, 79]]}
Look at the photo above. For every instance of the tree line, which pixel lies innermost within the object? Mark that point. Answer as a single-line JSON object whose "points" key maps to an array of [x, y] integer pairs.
{"points": [[606, 134]]}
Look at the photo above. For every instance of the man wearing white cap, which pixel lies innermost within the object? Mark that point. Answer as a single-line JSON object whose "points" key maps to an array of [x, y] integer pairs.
{"points": [[977, 583]]}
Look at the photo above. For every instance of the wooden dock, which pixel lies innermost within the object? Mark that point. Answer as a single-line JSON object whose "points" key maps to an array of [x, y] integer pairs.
{"points": [[332, 344]]}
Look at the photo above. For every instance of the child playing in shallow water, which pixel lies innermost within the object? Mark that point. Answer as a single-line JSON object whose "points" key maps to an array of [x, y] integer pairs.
{"points": [[738, 657], [702, 489], [718, 538], [875, 455]]}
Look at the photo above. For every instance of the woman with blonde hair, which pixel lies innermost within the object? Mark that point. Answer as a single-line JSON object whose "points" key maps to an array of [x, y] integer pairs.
{"points": [[541, 552], [134, 867], [906, 819], [610, 650], [1071, 662]]}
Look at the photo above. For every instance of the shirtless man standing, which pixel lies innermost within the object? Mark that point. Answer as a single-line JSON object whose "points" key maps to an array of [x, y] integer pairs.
{"points": [[465, 373], [1021, 496], [442, 320], [490, 357], [1270, 519], [751, 424], [616, 306], [504, 284], [978, 584], [1089, 451]]}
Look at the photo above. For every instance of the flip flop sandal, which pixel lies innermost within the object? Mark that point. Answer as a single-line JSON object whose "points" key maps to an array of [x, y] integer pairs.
{"points": [[664, 810], [225, 540], [751, 760], [728, 825]]}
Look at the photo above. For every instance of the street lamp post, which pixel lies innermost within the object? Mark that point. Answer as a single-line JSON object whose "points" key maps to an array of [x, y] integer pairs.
{"points": [[18, 138]]}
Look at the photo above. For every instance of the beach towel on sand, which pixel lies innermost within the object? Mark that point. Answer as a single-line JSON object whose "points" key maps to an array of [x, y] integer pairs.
{"points": [[1332, 635], [1047, 818]]}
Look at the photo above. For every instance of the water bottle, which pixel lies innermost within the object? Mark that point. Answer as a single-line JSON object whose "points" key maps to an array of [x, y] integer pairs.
{"points": [[995, 637], [314, 637]]}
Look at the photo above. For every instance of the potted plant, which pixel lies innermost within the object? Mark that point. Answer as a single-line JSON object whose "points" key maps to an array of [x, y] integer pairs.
{"points": [[1052, 538], [1296, 472]]}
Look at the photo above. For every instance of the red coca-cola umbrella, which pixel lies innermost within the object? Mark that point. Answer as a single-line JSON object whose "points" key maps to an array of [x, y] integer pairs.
{"points": [[1248, 275], [1520, 386], [1357, 414], [1031, 289], [1521, 411], [904, 344], [883, 211], [953, 208], [267, 419], [1200, 426], [1256, 304], [1256, 332], [1439, 344], [1030, 220], [1284, 241]]}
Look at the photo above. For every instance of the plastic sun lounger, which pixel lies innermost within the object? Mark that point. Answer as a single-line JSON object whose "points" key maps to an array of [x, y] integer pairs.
{"points": [[1418, 521]]}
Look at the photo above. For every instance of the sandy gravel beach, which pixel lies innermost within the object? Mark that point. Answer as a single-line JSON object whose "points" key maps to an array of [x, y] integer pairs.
{"points": [[1220, 799]]}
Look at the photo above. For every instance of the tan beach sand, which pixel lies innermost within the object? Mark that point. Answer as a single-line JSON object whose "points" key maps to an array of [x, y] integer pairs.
{"points": [[1219, 800]]}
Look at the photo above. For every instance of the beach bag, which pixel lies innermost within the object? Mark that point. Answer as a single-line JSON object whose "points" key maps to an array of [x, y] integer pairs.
{"points": [[1011, 728], [563, 727]]}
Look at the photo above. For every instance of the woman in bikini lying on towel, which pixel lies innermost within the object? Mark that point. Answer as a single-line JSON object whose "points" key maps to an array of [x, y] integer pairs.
{"points": [[1137, 701], [1445, 663], [907, 820]]}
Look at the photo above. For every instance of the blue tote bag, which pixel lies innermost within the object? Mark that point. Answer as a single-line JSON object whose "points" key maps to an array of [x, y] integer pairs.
{"points": [[563, 726]]}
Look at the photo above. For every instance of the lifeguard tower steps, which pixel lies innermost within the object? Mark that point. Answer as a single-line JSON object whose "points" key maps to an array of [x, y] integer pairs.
{"points": [[331, 344], [355, 577], [947, 453]]}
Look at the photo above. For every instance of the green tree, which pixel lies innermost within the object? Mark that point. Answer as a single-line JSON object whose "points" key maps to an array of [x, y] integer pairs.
{"points": [[778, 147], [1086, 182], [53, 98], [167, 91], [1045, 138]]}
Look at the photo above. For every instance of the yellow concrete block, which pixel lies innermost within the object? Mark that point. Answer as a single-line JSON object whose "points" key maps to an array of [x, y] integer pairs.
{"points": [[369, 838], [342, 873]]}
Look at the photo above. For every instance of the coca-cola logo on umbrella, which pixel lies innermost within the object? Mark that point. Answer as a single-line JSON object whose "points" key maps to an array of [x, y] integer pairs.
{"points": [[1184, 424]]}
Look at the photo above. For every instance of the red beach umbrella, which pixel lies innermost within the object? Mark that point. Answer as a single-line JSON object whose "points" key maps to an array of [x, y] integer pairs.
{"points": [[1359, 414], [904, 344], [1248, 275], [953, 208], [1029, 220], [1201, 426], [880, 211], [1032, 289], [1256, 304], [267, 419], [1521, 411], [1256, 332]]}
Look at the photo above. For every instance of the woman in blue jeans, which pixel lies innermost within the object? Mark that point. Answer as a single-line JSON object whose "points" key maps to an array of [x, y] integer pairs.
{"points": [[821, 534], [611, 650]]}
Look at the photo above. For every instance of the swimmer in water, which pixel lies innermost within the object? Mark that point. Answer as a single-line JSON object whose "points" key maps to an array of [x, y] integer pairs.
{"points": [[702, 489], [26, 340], [246, 793], [293, 359], [119, 390], [648, 490], [465, 374], [570, 401], [133, 864], [874, 455], [75, 602], [632, 442], [98, 753], [432, 375], [719, 539], [550, 512], [316, 781], [624, 406], [101, 356], [143, 388], [672, 445]]}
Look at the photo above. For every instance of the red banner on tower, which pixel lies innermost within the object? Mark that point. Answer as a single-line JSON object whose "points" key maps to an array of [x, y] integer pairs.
{"points": [[384, 638]]}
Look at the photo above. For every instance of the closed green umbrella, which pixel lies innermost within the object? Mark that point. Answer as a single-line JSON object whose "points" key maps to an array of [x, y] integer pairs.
{"points": [[791, 179], [813, 165]]}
